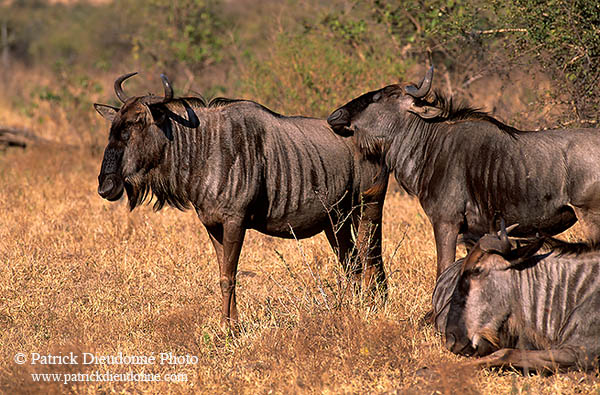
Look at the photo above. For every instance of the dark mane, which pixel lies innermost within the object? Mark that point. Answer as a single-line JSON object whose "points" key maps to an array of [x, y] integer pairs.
{"points": [[193, 101], [463, 112], [566, 248], [198, 97], [222, 101], [198, 101], [212, 103]]}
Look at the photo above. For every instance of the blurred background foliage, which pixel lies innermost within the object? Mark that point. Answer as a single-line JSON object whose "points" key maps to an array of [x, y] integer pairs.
{"points": [[297, 56]]}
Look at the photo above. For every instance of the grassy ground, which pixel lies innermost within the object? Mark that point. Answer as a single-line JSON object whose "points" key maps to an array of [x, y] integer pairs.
{"points": [[81, 275], [84, 276]]}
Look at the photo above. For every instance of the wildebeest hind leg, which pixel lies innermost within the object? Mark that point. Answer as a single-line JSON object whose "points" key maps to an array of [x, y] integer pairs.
{"points": [[362, 261], [227, 240], [540, 360], [340, 241]]}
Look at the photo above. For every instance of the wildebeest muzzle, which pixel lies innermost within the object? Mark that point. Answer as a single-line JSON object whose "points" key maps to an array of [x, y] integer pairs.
{"points": [[339, 119], [459, 344], [110, 187]]}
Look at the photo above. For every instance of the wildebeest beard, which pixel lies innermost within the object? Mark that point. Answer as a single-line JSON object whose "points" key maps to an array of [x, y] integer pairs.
{"points": [[137, 189], [142, 187]]}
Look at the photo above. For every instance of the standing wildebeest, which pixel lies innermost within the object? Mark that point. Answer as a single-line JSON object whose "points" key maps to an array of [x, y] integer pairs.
{"points": [[242, 166], [520, 307], [467, 168]]}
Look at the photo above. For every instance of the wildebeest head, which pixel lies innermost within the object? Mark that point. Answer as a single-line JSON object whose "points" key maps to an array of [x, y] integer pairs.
{"points": [[392, 103], [135, 143], [480, 304]]}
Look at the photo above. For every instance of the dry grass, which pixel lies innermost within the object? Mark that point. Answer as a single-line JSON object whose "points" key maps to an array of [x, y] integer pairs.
{"points": [[79, 274]]}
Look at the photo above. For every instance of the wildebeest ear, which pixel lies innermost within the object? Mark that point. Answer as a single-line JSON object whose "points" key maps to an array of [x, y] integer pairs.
{"points": [[108, 112], [498, 243], [161, 119], [158, 113], [425, 112], [492, 243]]}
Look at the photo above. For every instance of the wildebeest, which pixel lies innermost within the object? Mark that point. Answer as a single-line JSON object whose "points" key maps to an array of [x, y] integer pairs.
{"points": [[468, 169], [521, 306], [242, 166]]}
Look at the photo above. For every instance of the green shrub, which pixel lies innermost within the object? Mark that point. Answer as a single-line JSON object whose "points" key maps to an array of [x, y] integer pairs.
{"points": [[323, 66], [173, 34]]}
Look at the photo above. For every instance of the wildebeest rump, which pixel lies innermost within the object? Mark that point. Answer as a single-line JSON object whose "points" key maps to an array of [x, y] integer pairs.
{"points": [[242, 166], [522, 307], [468, 169]]}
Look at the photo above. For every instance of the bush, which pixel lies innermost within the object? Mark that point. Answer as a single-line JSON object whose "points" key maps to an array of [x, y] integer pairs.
{"points": [[322, 66], [82, 35], [560, 37], [173, 34]]}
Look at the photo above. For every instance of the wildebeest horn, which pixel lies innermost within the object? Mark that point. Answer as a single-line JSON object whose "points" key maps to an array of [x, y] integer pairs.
{"points": [[504, 231], [119, 89], [423, 88], [168, 88], [151, 99], [511, 228]]}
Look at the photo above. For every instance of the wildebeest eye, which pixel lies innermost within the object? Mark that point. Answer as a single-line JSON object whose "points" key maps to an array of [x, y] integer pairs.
{"points": [[125, 135], [377, 96]]}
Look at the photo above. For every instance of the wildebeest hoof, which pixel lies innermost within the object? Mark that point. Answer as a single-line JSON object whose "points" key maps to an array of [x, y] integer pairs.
{"points": [[427, 373]]}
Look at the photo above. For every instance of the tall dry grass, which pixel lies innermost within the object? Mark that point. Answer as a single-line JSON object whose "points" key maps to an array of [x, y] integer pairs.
{"points": [[78, 274], [82, 275]]}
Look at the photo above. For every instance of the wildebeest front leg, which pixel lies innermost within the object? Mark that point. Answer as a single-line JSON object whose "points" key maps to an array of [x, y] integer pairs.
{"points": [[227, 239], [445, 234], [587, 209], [369, 249], [540, 360], [590, 220]]}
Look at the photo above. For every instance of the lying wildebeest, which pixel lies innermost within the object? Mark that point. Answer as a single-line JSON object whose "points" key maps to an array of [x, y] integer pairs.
{"points": [[242, 166], [522, 307], [467, 168]]}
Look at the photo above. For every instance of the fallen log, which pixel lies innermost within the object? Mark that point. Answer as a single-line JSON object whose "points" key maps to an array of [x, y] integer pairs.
{"points": [[17, 137]]}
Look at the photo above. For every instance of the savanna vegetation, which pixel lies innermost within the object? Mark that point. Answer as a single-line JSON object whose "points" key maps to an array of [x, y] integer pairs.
{"points": [[82, 275]]}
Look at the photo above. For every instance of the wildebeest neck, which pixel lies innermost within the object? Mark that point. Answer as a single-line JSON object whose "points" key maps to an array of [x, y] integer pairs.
{"points": [[413, 150]]}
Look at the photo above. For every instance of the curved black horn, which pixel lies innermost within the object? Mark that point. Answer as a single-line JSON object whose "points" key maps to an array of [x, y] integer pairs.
{"points": [[423, 88], [119, 89], [168, 88], [503, 233], [151, 99]]}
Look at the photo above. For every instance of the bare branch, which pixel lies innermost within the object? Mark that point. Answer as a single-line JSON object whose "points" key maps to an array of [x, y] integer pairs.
{"points": [[505, 30]]}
